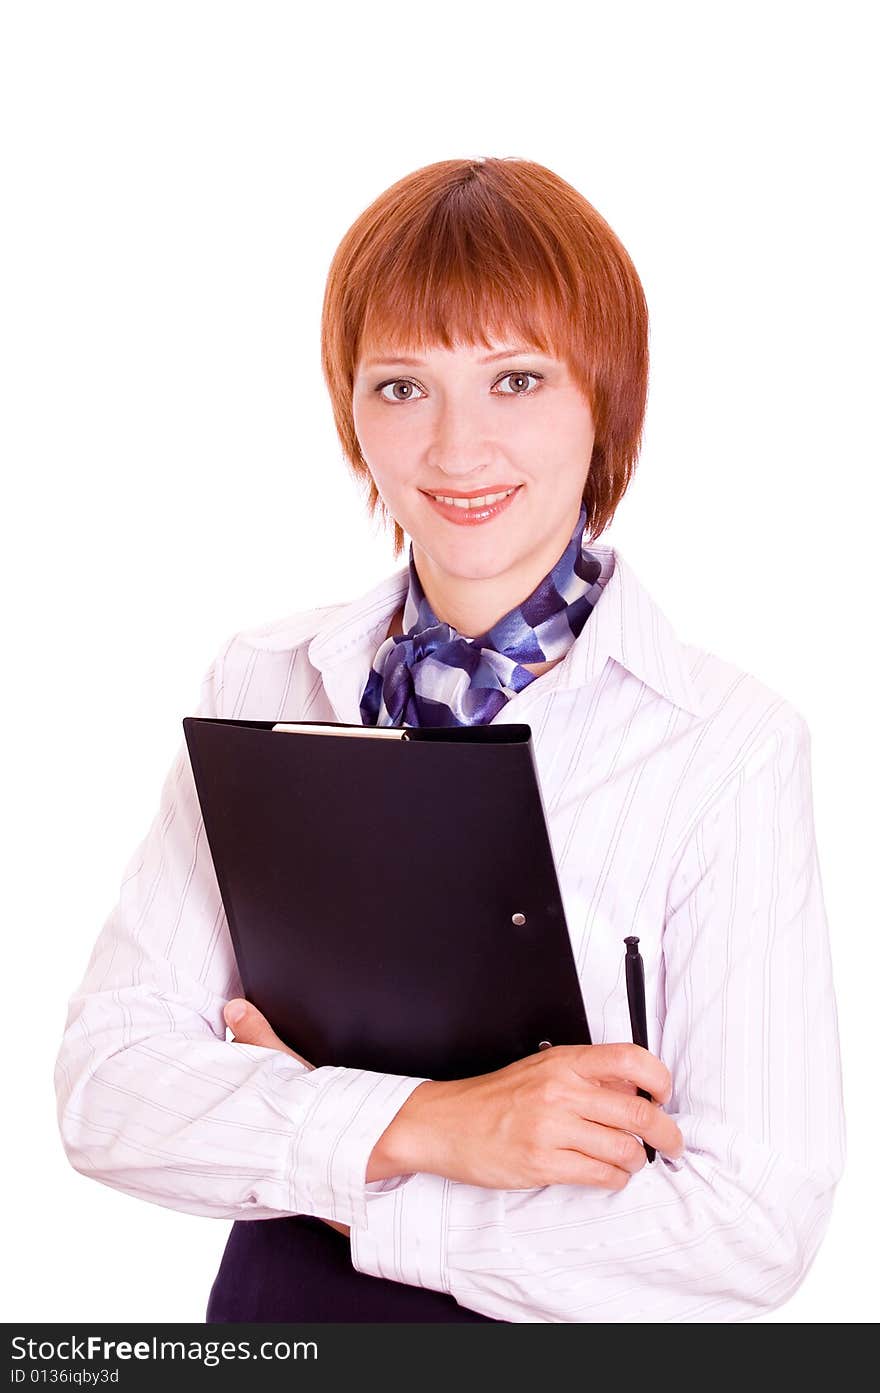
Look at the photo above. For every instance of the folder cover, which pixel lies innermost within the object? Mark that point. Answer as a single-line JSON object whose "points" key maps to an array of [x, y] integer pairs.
{"points": [[393, 903]]}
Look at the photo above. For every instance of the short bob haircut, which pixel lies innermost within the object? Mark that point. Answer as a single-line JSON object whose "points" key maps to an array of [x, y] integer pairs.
{"points": [[464, 251]]}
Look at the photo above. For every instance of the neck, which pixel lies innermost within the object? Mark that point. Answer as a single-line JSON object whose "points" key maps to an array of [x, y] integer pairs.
{"points": [[474, 606]]}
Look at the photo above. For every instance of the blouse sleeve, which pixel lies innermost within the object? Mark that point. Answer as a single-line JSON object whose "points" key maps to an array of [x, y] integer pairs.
{"points": [[151, 1097], [750, 1037]]}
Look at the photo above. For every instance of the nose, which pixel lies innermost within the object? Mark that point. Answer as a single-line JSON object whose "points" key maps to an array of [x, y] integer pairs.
{"points": [[460, 445]]}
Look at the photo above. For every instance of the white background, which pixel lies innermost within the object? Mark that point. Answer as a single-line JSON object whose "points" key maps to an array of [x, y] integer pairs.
{"points": [[176, 177]]}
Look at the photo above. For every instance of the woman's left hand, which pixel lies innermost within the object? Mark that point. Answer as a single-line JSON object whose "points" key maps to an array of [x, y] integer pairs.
{"points": [[250, 1027]]}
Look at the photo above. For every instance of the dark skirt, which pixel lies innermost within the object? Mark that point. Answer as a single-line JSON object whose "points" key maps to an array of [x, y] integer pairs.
{"points": [[300, 1269]]}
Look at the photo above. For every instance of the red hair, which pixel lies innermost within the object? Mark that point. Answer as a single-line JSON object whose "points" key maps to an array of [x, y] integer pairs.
{"points": [[463, 251]]}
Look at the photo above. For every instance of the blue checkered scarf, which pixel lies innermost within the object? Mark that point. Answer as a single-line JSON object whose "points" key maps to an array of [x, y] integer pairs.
{"points": [[430, 675]]}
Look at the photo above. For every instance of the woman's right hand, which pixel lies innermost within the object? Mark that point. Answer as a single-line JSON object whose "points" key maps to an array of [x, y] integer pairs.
{"points": [[567, 1115]]}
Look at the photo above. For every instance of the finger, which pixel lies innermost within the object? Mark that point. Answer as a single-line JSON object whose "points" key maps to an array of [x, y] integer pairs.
{"points": [[341, 1228], [250, 1027], [608, 1144], [640, 1116], [571, 1167], [624, 1061]]}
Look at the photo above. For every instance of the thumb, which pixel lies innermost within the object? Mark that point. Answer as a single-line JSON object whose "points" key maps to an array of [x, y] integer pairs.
{"points": [[250, 1027]]}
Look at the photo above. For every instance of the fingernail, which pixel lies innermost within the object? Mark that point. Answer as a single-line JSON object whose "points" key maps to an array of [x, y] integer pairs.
{"points": [[234, 1012]]}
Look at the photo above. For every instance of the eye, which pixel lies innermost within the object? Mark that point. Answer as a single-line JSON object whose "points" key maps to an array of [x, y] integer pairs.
{"points": [[398, 382], [521, 376], [413, 387]]}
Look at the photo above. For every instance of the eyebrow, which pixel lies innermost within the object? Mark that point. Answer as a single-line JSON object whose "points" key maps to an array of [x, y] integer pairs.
{"points": [[515, 352]]}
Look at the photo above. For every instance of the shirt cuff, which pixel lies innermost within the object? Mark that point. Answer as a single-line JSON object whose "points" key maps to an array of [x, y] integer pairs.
{"points": [[404, 1237], [333, 1142]]}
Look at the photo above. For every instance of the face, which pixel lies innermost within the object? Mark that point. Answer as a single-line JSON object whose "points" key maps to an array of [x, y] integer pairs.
{"points": [[476, 421]]}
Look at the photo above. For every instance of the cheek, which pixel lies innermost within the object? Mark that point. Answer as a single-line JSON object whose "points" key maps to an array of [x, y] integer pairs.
{"points": [[562, 436], [388, 446], [576, 422], [387, 460], [542, 432], [372, 435]]}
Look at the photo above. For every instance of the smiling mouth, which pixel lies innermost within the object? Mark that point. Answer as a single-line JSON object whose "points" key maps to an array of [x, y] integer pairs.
{"points": [[473, 512], [487, 499]]}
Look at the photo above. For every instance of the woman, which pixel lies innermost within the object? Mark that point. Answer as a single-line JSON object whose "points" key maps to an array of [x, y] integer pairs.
{"points": [[485, 337]]}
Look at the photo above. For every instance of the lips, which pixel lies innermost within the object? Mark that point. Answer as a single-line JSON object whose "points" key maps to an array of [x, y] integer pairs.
{"points": [[474, 493], [474, 516], [483, 500]]}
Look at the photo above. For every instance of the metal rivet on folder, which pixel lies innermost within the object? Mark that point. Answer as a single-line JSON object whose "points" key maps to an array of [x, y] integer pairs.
{"points": [[519, 919], [544, 1045]]}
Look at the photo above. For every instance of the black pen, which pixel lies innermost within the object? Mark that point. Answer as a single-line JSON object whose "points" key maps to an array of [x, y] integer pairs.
{"points": [[638, 1017]]}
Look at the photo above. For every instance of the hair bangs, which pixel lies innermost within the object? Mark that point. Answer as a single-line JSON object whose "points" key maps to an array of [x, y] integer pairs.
{"points": [[454, 281]]}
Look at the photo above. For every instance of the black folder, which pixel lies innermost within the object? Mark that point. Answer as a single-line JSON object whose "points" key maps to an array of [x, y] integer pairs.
{"points": [[391, 894]]}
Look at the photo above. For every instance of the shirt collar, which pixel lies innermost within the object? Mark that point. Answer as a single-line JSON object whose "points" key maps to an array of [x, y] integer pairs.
{"points": [[630, 627], [626, 625]]}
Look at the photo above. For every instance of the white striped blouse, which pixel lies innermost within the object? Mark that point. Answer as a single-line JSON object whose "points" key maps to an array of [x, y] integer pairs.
{"points": [[677, 789]]}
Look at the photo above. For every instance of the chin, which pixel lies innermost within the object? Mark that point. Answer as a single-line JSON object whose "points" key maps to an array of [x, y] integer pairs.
{"points": [[470, 562]]}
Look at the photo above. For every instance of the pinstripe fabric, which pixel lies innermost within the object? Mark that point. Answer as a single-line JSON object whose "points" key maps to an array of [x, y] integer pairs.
{"points": [[678, 794]]}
